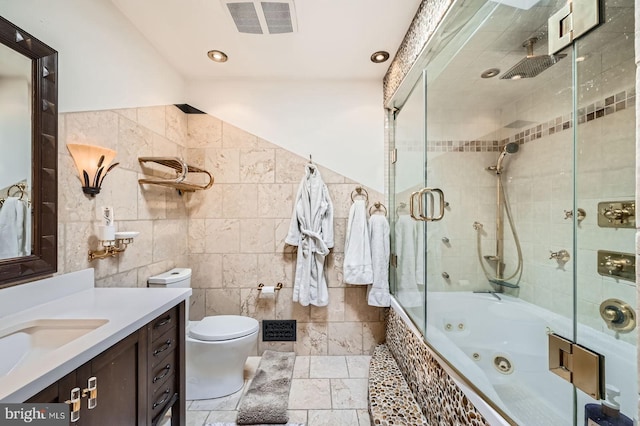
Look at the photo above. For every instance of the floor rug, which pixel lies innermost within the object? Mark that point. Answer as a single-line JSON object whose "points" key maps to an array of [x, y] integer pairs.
{"points": [[267, 399]]}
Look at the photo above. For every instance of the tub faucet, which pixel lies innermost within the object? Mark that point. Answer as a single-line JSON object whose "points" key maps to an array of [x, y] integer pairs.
{"points": [[491, 292]]}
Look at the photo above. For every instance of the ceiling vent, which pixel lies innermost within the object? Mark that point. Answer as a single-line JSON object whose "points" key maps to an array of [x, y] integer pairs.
{"points": [[262, 17]]}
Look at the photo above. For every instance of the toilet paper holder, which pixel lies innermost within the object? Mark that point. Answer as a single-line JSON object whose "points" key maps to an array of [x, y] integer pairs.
{"points": [[276, 288]]}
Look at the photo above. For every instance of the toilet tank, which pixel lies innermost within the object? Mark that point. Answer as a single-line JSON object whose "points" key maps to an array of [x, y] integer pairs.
{"points": [[175, 278]]}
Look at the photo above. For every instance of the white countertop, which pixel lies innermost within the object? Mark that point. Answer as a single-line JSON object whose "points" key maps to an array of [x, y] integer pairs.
{"points": [[126, 309]]}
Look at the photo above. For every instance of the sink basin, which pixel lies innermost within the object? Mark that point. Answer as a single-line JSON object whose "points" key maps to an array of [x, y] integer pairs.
{"points": [[31, 340]]}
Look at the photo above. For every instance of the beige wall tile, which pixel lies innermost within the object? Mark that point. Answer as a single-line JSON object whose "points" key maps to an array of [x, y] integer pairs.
{"points": [[344, 338], [197, 304], [205, 204], [356, 305], [289, 167], [124, 279], [169, 238], [252, 304], [176, 125], [152, 202], [312, 339], [373, 334], [92, 128], [275, 200], [223, 235], [134, 141], [204, 131], [233, 137], [334, 312], [128, 113], [257, 166], [276, 268], [256, 235], [224, 164], [73, 204], [139, 252], [286, 308], [240, 270], [153, 118], [206, 270], [334, 269], [222, 301], [196, 232], [163, 147], [274, 346], [239, 201]]}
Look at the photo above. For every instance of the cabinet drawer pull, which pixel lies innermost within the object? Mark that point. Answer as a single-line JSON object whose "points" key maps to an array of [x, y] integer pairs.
{"points": [[165, 370], [163, 348], [163, 400], [74, 402], [163, 322]]}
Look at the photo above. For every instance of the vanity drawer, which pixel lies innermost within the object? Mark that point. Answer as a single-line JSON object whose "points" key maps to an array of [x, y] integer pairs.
{"points": [[160, 373], [162, 347], [164, 322], [165, 396]]}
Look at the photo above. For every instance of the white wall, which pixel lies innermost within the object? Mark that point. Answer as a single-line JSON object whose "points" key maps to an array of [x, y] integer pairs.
{"points": [[103, 61], [339, 123], [15, 131]]}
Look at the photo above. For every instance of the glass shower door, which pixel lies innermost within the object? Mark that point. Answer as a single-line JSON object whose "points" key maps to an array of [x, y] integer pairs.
{"points": [[605, 199], [499, 143], [408, 233]]}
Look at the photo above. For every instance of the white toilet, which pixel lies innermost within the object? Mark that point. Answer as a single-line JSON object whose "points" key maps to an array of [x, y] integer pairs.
{"points": [[217, 347]]}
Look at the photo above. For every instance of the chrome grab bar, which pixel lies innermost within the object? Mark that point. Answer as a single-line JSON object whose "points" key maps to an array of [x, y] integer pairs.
{"points": [[420, 216]]}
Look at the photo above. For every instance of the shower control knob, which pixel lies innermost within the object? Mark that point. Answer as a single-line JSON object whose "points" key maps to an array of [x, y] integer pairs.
{"points": [[445, 240], [445, 276]]}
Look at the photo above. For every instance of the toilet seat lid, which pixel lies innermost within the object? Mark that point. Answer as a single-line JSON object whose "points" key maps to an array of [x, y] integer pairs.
{"points": [[223, 327]]}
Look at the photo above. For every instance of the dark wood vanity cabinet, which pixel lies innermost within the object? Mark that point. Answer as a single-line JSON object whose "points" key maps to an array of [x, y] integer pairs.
{"points": [[139, 379]]}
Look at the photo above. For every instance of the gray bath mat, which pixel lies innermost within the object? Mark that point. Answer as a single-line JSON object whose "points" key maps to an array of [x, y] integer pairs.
{"points": [[235, 424], [267, 399]]}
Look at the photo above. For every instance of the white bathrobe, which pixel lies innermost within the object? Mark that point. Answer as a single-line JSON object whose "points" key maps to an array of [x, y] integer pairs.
{"points": [[311, 229]]}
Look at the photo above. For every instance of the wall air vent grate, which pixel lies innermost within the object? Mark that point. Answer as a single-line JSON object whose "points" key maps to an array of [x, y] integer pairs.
{"points": [[260, 17]]}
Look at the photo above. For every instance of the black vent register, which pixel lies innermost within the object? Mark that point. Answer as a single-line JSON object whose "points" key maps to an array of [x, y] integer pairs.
{"points": [[278, 330]]}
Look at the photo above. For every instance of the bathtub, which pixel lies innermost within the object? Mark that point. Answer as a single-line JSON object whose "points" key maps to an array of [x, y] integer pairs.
{"points": [[500, 346]]}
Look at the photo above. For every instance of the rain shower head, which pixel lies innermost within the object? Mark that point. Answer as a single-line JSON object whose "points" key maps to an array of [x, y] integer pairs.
{"points": [[531, 65]]}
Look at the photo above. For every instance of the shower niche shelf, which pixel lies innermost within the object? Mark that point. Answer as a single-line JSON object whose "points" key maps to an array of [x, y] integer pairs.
{"points": [[182, 172]]}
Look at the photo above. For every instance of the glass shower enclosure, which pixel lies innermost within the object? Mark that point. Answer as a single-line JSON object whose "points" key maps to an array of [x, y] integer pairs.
{"points": [[514, 195]]}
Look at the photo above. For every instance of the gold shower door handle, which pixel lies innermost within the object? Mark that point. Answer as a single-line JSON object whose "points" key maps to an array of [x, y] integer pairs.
{"points": [[418, 197]]}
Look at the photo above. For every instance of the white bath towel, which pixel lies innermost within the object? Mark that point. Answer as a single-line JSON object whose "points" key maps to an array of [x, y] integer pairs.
{"points": [[357, 246], [11, 228], [406, 242], [379, 290]]}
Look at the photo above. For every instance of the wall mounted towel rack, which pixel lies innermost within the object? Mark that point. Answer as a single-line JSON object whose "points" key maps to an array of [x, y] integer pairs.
{"points": [[182, 170]]}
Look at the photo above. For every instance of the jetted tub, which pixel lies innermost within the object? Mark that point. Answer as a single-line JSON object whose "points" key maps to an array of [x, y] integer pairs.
{"points": [[501, 346]]}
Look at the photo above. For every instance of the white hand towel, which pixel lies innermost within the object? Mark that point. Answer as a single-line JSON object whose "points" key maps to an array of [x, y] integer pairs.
{"points": [[379, 290], [357, 247], [11, 228]]}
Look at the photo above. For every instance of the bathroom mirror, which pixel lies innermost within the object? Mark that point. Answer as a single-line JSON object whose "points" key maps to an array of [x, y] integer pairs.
{"points": [[28, 164]]}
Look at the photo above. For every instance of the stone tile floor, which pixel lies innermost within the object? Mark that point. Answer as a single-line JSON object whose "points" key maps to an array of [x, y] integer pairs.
{"points": [[325, 391]]}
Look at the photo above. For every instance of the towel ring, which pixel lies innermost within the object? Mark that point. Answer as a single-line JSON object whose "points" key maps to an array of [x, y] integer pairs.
{"points": [[377, 206], [359, 192], [20, 187]]}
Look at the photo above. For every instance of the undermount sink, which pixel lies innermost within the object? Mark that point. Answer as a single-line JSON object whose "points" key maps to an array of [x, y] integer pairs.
{"points": [[30, 340]]}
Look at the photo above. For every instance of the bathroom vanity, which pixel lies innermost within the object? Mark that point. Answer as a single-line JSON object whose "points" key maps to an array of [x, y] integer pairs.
{"points": [[115, 355]]}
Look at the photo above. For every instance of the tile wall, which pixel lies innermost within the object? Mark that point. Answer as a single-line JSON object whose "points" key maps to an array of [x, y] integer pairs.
{"points": [[230, 235]]}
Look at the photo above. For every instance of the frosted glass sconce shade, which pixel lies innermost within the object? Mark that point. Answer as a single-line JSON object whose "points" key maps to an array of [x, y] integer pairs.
{"points": [[93, 164]]}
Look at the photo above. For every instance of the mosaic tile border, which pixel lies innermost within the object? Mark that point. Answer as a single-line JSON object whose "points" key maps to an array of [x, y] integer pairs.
{"points": [[441, 400], [602, 108], [423, 25]]}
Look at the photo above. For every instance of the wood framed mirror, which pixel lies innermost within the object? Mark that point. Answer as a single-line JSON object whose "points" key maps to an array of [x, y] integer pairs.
{"points": [[41, 189]]}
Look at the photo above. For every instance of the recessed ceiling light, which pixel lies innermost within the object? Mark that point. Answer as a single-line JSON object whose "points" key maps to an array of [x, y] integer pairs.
{"points": [[217, 56], [491, 72], [379, 57]]}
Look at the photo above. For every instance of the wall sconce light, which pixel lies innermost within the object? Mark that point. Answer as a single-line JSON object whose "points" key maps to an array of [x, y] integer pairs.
{"points": [[91, 162]]}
